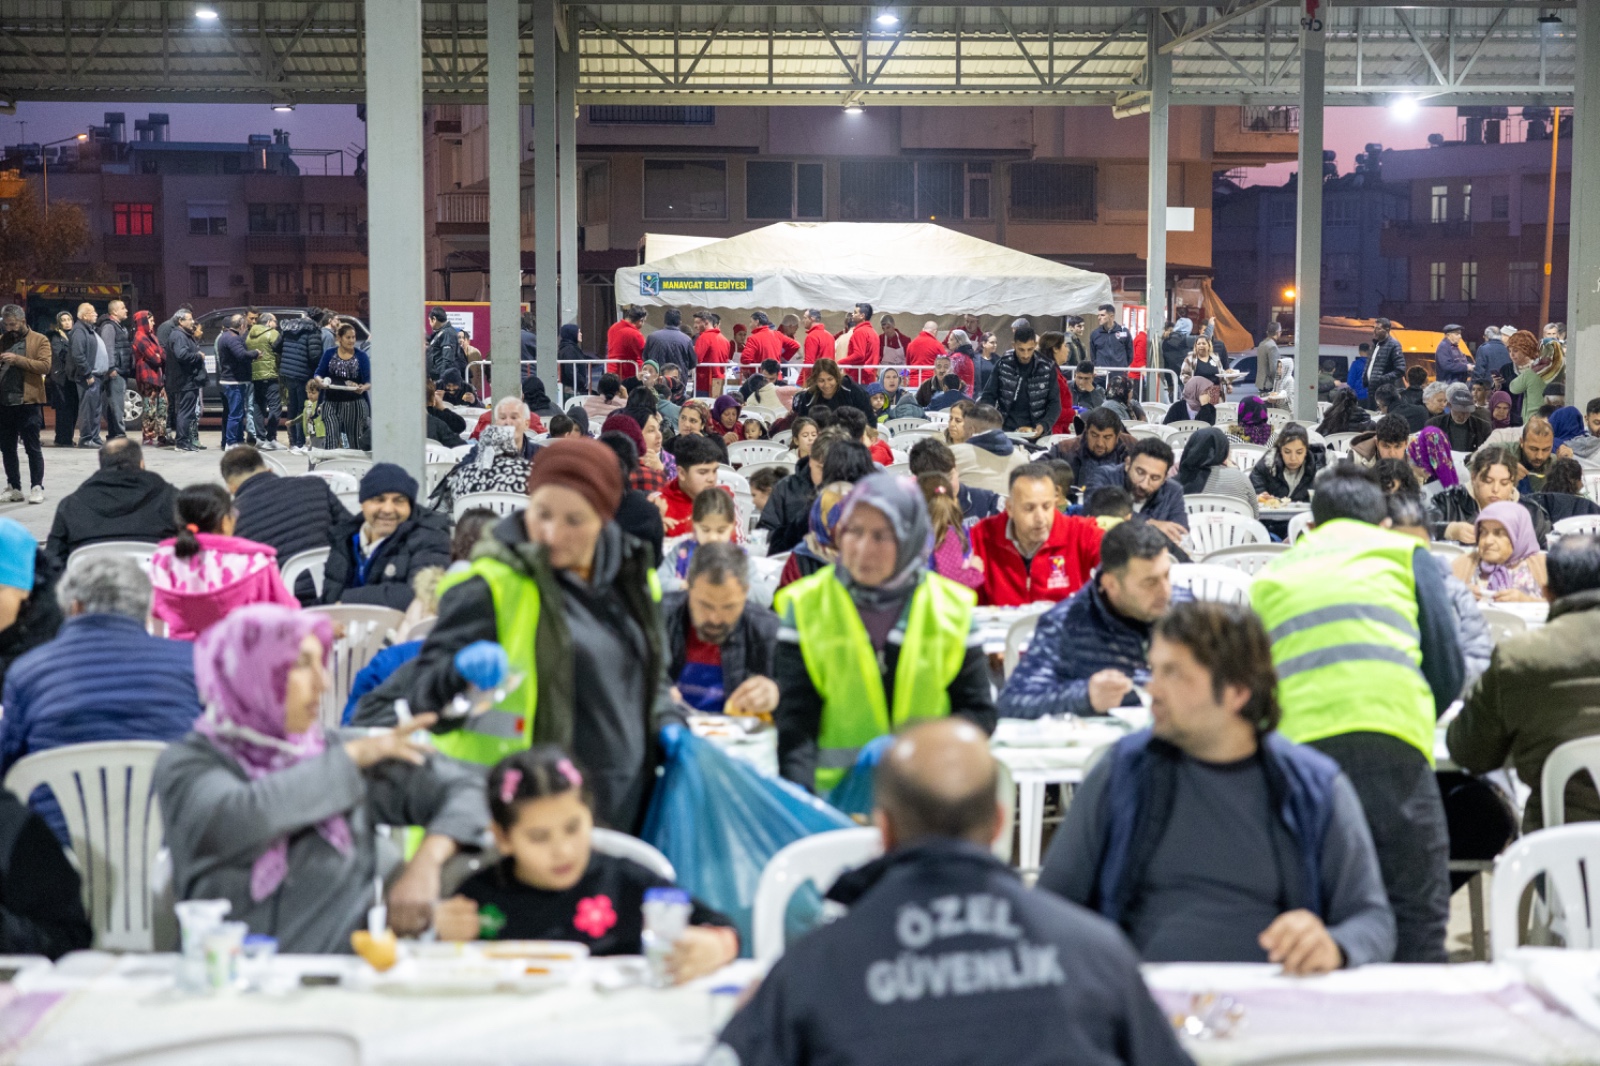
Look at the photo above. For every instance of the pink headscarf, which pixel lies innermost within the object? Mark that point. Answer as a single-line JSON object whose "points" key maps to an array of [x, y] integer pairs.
{"points": [[1524, 541], [241, 668]]}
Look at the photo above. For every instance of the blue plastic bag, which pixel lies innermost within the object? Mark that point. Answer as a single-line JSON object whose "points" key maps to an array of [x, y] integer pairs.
{"points": [[853, 794], [720, 821]]}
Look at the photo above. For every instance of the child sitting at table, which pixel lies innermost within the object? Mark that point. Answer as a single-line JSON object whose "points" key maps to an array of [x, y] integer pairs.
{"points": [[716, 521], [552, 885]]}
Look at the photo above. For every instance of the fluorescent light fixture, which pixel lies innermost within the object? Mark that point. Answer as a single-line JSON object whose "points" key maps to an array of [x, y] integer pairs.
{"points": [[1549, 23], [283, 107], [205, 13], [888, 18], [1405, 108], [852, 109]]}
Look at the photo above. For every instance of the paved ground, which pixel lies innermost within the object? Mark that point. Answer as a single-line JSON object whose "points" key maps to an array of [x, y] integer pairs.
{"points": [[66, 468]]}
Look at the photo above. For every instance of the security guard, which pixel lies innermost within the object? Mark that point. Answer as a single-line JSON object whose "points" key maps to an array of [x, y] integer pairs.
{"points": [[1364, 643], [874, 640], [557, 601], [945, 957]]}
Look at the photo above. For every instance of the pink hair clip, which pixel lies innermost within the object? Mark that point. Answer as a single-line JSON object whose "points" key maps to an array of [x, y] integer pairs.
{"points": [[570, 772], [509, 785]]}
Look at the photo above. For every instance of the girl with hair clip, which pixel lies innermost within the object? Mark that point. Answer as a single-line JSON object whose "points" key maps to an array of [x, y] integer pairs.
{"points": [[552, 885], [205, 572], [951, 555]]}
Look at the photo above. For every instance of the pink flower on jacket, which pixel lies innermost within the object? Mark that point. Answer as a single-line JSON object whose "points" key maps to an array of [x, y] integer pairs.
{"points": [[595, 916]]}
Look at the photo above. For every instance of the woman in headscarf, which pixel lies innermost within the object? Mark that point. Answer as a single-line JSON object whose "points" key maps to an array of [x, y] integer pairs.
{"points": [[1346, 415], [874, 641], [1454, 511], [963, 359], [725, 417], [1253, 425], [1500, 410], [1567, 424], [1200, 398], [149, 365], [498, 466], [1121, 399], [1539, 364], [1506, 565], [656, 468], [1204, 468], [537, 399], [817, 548], [1429, 452], [265, 811], [574, 374]]}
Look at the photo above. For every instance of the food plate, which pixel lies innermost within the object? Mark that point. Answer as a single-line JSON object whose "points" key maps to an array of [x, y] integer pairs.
{"points": [[479, 968]]}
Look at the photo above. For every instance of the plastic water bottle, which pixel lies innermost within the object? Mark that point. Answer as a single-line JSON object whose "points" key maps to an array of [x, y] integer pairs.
{"points": [[666, 916]]}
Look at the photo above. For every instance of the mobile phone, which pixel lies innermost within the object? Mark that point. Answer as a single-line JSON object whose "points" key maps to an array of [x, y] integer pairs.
{"points": [[319, 980]]}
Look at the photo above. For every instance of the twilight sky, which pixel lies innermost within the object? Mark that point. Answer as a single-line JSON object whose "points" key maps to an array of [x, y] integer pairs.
{"points": [[336, 126]]}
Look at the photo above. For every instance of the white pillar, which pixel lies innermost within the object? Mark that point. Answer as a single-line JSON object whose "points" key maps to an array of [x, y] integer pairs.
{"points": [[546, 295], [505, 196], [1583, 244], [567, 159], [1159, 66], [1308, 223], [394, 203]]}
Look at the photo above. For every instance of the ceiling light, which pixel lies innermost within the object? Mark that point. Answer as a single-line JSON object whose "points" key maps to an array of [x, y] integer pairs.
{"points": [[889, 18], [852, 109], [283, 107], [205, 13], [1549, 23], [1405, 108]]}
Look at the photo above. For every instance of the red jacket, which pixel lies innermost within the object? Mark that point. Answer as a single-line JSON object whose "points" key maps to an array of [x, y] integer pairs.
{"points": [[679, 518], [1064, 419], [881, 453], [863, 351], [819, 344], [711, 347], [763, 343], [923, 350], [1059, 569], [624, 349]]}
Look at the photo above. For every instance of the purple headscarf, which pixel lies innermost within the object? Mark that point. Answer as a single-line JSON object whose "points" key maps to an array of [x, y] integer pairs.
{"points": [[1431, 452], [241, 668], [1524, 542], [725, 401], [1253, 420]]}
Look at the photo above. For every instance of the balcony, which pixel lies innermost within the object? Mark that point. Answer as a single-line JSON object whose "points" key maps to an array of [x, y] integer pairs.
{"points": [[1269, 119], [1439, 231], [465, 213], [141, 249], [275, 247], [1254, 136]]}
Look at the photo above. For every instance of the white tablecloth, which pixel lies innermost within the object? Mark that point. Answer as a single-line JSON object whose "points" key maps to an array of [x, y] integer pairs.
{"points": [[127, 1010]]}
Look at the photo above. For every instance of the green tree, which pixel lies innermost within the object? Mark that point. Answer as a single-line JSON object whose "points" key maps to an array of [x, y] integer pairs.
{"points": [[34, 246]]}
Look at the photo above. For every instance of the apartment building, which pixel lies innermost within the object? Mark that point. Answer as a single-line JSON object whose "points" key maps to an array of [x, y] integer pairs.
{"points": [[1064, 183]]}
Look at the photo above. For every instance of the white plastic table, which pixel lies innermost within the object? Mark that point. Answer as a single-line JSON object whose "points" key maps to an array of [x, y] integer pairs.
{"points": [[132, 1007], [1041, 753]]}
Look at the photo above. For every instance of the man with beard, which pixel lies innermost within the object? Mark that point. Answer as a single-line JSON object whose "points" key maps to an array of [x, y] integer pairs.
{"points": [[1157, 499], [719, 645]]}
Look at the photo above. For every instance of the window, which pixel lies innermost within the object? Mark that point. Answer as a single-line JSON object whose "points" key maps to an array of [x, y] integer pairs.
{"points": [[1052, 192], [315, 222], [208, 220], [1499, 208], [877, 190], [199, 281], [330, 280], [1466, 202], [1340, 265], [1441, 203], [1341, 211], [634, 115], [1282, 265], [941, 191], [979, 181], [595, 196], [1436, 281], [1469, 280], [1523, 281], [349, 218], [685, 189], [134, 220], [277, 280], [1281, 212], [782, 190], [274, 218]]}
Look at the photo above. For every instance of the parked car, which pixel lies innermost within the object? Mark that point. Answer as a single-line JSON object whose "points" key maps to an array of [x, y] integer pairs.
{"points": [[213, 322]]}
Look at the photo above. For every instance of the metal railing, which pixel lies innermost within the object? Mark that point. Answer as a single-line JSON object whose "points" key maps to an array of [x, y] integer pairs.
{"points": [[458, 207], [1271, 118]]}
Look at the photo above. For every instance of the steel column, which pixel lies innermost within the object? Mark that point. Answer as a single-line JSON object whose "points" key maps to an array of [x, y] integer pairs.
{"points": [[567, 158], [546, 292], [394, 204], [505, 197], [1158, 66], [1308, 223], [1583, 247]]}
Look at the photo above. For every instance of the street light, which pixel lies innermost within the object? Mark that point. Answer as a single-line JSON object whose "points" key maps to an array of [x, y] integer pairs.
{"points": [[44, 163], [1405, 108], [1288, 294]]}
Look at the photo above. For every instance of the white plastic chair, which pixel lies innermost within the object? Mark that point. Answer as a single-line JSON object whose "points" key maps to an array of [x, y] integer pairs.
{"points": [[819, 858], [340, 481], [276, 465], [783, 466], [1573, 757], [744, 452], [1245, 456], [1339, 443], [435, 471], [366, 630], [765, 573], [276, 1047], [1216, 503], [1447, 549], [1503, 624], [1155, 411], [939, 418], [501, 503], [434, 452], [357, 467], [1299, 526], [1191, 425], [1567, 527], [1210, 531], [1246, 558], [139, 551], [895, 426], [1214, 584], [1591, 486], [313, 562], [783, 437], [1153, 430], [107, 798], [1017, 638], [622, 846], [1277, 416], [744, 503], [1177, 438], [1567, 856], [727, 475]]}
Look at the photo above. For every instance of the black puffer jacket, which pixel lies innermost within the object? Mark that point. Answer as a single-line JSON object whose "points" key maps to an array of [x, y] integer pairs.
{"points": [[290, 514], [1456, 504], [422, 540], [113, 505], [119, 345], [848, 394], [37, 620], [302, 348], [1388, 366], [1027, 394], [1267, 476]]}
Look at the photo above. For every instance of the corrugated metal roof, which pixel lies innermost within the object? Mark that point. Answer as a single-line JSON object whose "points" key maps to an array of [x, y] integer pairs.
{"points": [[1067, 52]]}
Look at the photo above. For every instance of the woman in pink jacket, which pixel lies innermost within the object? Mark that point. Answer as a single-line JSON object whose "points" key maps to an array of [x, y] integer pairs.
{"points": [[205, 572]]}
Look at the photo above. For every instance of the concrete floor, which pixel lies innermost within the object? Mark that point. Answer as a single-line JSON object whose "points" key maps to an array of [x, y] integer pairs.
{"points": [[66, 468]]}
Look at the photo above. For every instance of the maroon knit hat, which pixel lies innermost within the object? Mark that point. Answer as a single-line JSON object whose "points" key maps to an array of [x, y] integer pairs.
{"points": [[624, 424], [587, 467]]}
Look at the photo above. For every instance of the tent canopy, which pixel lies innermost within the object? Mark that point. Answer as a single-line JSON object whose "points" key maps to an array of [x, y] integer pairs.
{"points": [[912, 268]]}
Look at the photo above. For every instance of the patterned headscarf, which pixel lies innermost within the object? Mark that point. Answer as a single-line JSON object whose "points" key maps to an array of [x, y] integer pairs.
{"points": [[1430, 451], [1253, 420], [1524, 542], [241, 668], [823, 519]]}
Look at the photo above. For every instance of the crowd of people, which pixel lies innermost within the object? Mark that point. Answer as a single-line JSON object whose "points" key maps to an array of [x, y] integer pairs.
{"points": [[1281, 806]]}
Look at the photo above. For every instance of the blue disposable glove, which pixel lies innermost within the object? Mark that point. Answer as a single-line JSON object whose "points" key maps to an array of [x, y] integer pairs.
{"points": [[483, 663]]}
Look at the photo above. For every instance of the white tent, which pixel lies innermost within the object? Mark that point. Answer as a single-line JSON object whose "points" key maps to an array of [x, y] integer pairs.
{"points": [[902, 268]]}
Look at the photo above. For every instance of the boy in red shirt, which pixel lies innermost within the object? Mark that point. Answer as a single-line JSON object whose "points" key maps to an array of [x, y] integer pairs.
{"points": [[1034, 552], [698, 459]]}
